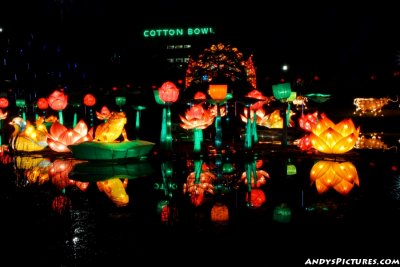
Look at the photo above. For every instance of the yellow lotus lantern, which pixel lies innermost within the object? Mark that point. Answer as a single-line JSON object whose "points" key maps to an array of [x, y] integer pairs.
{"points": [[341, 176], [330, 138]]}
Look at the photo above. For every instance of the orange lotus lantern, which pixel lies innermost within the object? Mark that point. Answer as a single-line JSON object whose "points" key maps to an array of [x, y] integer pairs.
{"points": [[341, 176], [327, 137], [58, 101]]}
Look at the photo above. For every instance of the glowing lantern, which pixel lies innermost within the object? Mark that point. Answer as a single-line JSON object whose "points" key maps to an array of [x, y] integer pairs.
{"points": [[3, 102], [281, 91], [168, 93], [89, 100], [200, 95], [218, 93], [120, 101], [328, 137], [306, 121], [58, 101], [331, 174], [60, 137], [256, 199], [197, 118], [219, 213], [42, 103], [104, 114]]}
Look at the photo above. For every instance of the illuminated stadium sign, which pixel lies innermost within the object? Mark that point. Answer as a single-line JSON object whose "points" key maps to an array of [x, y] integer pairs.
{"points": [[195, 31]]}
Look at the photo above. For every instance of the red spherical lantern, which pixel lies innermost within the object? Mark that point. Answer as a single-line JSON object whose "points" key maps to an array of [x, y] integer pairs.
{"points": [[89, 100], [58, 100], [42, 103], [257, 197], [3, 102], [168, 92]]}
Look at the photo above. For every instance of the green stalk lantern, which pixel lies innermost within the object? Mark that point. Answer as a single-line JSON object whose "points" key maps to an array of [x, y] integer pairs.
{"points": [[21, 104], [138, 110], [218, 93], [168, 94], [282, 92]]}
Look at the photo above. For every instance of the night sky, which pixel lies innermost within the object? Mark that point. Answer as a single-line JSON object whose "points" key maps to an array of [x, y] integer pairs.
{"points": [[341, 43]]}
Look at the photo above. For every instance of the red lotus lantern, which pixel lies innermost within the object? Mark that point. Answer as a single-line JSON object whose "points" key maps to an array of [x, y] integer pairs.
{"points": [[3, 102], [89, 100], [42, 103], [168, 92], [57, 100]]}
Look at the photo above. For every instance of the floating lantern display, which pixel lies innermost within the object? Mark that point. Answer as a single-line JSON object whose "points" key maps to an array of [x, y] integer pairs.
{"points": [[58, 101], [168, 94], [28, 137], [372, 142], [341, 176], [218, 93], [60, 137], [331, 138], [197, 119], [373, 106], [219, 213]]}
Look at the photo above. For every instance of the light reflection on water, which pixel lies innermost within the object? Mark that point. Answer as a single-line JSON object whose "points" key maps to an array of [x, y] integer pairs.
{"points": [[63, 210]]}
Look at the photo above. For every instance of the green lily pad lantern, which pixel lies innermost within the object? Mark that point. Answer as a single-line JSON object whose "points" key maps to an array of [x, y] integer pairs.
{"points": [[281, 91], [21, 104]]}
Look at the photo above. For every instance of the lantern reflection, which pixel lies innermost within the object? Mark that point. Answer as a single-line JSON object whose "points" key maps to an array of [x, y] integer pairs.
{"points": [[341, 176]]}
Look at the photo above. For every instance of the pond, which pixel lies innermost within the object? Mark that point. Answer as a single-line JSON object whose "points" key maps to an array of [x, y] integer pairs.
{"points": [[60, 211]]}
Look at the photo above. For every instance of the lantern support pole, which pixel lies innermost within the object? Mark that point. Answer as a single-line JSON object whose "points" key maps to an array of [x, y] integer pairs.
{"points": [[218, 129]]}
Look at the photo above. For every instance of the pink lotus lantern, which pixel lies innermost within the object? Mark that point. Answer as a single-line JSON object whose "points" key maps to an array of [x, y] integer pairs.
{"points": [[58, 101], [60, 137], [169, 94]]}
